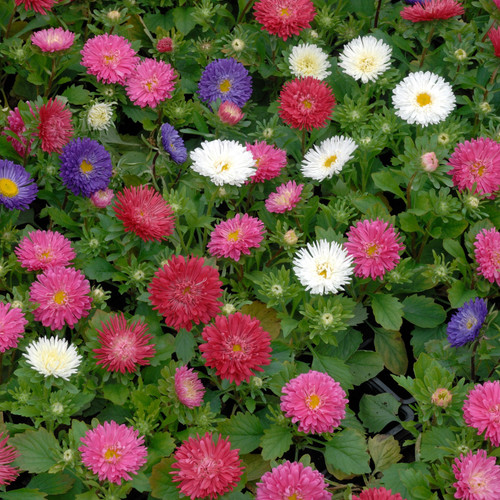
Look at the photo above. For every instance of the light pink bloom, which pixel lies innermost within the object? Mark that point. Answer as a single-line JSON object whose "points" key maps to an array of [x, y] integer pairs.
{"points": [[53, 39], [269, 161], [102, 198], [12, 323], [429, 161], [113, 451], [315, 400], [230, 113], [151, 83], [188, 387], [7, 455], [16, 125], [286, 197], [235, 236], [487, 254]]}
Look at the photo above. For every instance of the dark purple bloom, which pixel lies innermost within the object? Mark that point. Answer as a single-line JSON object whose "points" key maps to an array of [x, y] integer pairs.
{"points": [[413, 2], [85, 166], [17, 188], [227, 80], [173, 143], [465, 324]]}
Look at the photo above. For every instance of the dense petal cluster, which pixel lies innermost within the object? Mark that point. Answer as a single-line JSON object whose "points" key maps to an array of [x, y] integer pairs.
{"points": [[40, 6], [53, 39], [487, 254], [286, 197], [17, 188], [188, 387], [377, 494], [466, 323], [21, 144], [12, 323], [173, 144], [54, 125], [309, 60], [102, 198], [230, 113], [7, 455], [430, 10], [494, 36], [99, 115], [269, 160]]}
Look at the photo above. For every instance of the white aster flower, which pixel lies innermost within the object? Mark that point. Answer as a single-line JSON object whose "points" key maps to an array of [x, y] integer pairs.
{"points": [[322, 161], [99, 115], [309, 60], [225, 162], [323, 267], [53, 356], [365, 58], [423, 98]]}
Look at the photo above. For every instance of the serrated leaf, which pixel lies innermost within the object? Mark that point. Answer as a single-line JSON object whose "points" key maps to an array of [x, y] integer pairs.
{"points": [[52, 484], [99, 269], [394, 477], [275, 442], [388, 311], [161, 480], [377, 411], [335, 367], [347, 452], [423, 311], [364, 365], [255, 466], [244, 431], [458, 294], [391, 347], [184, 20], [267, 316], [433, 443], [38, 450], [77, 95], [184, 345], [162, 444], [384, 450], [23, 494]]}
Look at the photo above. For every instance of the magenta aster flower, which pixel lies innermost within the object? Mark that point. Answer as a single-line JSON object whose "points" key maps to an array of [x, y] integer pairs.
{"points": [[374, 246], [430, 10], [315, 400], [292, 480], [377, 494], [113, 451], [53, 39], [43, 249], [62, 294], [16, 124], [188, 387], [102, 198], [40, 6], [478, 477], [269, 161], [7, 455], [235, 236], [12, 323], [487, 254], [151, 83], [285, 198]]}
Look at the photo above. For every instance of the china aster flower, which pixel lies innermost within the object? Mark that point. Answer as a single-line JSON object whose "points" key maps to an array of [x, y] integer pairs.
{"points": [[150, 83], [188, 387], [322, 161], [365, 58], [173, 144], [53, 39], [466, 323], [482, 410], [478, 477], [306, 103], [113, 451], [377, 494], [236, 346], [235, 236], [16, 125], [315, 400], [62, 294], [53, 357], [17, 188], [124, 346], [185, 291], [40, 6], [54, 125], [206, 468], [99, 115], [102, 198], [227, 80], [292, 480], [309, 60], [323, 267], [423, 98], [7, 455], [284, 17], [430, 10], [286, 197], [165, 45], [144, 212], [85, 166], [494, 36], [374, 245], [476, 162], [269, 160], [224, 162], [487, 254], [230, 113], [12, 323]]}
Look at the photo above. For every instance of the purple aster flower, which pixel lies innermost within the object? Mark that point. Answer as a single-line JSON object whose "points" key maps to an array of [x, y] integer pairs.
{"points": [[173, 143], [85, 166], [465, 324], [225, 79], [17, 188]]}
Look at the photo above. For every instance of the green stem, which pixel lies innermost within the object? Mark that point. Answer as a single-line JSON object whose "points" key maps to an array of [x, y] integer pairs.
{"points": [[9, 24], [408, 191], [427, 45], [473, 361], [243, 12], [303, 142], [377, 13], [51, 79]]}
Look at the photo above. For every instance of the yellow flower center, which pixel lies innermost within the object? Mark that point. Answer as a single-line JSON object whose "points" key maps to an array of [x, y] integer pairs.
{"points": [[330, 160], [237, 348], [151, 85], [313, 401], [478, 168], [307, 104], [293, 497], [109, 59], [234, 235], [372, 250], [284, 12], [367, 64], [324, 270], [186, 290], [47, 255], [60, 297], [110, 454], [86, 167], [472, 322], [8, 188], [225, 85], [222, 166], [423, 99]]}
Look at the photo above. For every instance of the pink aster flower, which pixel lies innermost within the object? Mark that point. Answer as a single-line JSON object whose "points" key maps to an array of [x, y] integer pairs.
{"points": [[53, 39], [285, 198], [62, 294], [7, 455], [188, 387], [497, 3], [40, 6], [206, 468], [16, 125], [292, 480], [377, 494], [43, 249], [113, 451], [151, 83], [123, 345], [235, 236], [315, 400], [494, 36], [430, 10], [110, 58], [487, 254], [269, 161], [374, 245], [482, 410], [102, 198], [230, 113], [478, 477], [12, 323]]}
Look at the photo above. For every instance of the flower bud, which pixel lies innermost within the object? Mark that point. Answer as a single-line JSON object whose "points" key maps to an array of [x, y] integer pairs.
{"points": [[429, 161], [228, 308], [114, 15], [472, 201], [102, 198], [230, 113], [165, 45], [238, 44], [290, 237], [460, 55], [256, 382], [485, 107], [442, 397]]}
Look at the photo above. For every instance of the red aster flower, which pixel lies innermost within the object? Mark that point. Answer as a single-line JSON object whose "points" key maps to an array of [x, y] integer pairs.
{"points": [[185, 291], [7, 455], [144, 212], [306, 103], [284, 17], [429, 10], [494, 35], [236, 345], [40, 6], [54, 126], [377, 494]]}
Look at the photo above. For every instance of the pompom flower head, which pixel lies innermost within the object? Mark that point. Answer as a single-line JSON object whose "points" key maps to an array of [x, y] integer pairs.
{"points": [[206, 469], [7, 455], [124, 346], [12, 323], [236, 346], [430, 10], [286, 197], [269, 160], [188, 387], [185, 291], [173, 144], [235, 236], [17, 188], [21, 144], [113, 451], [466, 323], [309, 60], [99, 115], [53, 39], [315, 400], [487, 254], [230, 113], [54, 125], [144, 212], [292, 480], [377, 494], [40, 6]]}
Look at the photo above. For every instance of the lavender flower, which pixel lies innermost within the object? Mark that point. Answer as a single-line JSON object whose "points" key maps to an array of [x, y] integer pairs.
{"points": [[465, 324], [173, 143], [17, 188]]}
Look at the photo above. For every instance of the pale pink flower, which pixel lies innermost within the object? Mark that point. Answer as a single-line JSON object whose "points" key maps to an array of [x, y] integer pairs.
{"points": [[429, 161], [102, 198], [53, 39], [12, 323], [286, 197], [269, 161], [188, 387], [230, 113], [487, 254]]}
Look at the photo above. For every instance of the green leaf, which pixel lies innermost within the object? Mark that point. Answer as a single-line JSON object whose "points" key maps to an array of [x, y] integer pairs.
{"points": [[364, 365], [23, 494], [347, 452], [52, 484], [116, 393], [409, 223], [433, 443], [255, 466], [162, 444], [161, 480], [99, 269], [38, 450], [391, 347], [184, 20], [454, 248], [335, 367], [275, 442], [394, 477], [267, 316], [77, 95], [244, 430], [458, 294], [387, 181], [377, 411], [388, 311], [423, 311], [63, 219], [184, 345], [384, 450]]}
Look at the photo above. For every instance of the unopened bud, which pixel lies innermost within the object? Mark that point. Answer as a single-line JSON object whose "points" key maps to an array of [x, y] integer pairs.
{"points": [[290, 237], [442, 397], [429, 161], [460, 55], [165, 45], [114, 15], [230, 113]]}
